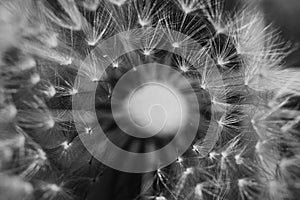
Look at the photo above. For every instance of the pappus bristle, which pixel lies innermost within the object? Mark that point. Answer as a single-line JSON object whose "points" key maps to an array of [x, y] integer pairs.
{"points": [[65, 87], [92, 68], [118, 2], [249, 188], [232, 125], [90, 4], [124, 16], [45, 89], [151, 40], [15, 187], [182, 183], [215, 13], [50, 191], [147, 11], [70, 18], [35, 118], [99, 25], [189, 6], [188, 28], [162, 183], [30, 162], [224, 53]]}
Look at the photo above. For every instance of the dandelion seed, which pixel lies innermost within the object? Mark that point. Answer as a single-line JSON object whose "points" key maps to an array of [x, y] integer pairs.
{"points": [[247, 142]]}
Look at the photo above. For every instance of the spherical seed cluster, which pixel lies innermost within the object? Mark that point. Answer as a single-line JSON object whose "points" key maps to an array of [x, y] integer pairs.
{"points": [[247, 143]]}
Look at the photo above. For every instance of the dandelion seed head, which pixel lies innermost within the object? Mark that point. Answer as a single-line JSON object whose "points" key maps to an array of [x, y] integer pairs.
{"points": [[147, 52], [179, 160], [53, 187], [184, 68], [49, 123], [73, 91], [160, 198], [199, 190], [95, 79], [196, 148], [20, 142], [52, 40], [92, 43], [118, 2], [212, 155], [115, 64], [8, 113], [189, 170], [221, 62], [277, 190], [239, 46], [50, 91], [35, 78], [219, 28], [28, 188], [224, 154], [176, 44], [67, 61], [242, 182], [29, 63], [238, 159], [189, 6], [220, 123], [66, 145], [91, 4], [144, 22], [259, 147], [41, 155], [88, 130]]}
